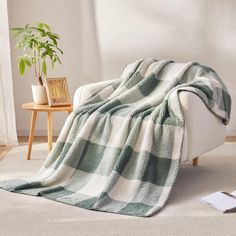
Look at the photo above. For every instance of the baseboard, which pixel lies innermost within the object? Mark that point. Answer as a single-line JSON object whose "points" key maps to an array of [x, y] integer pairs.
{"points": [[38, 132]]}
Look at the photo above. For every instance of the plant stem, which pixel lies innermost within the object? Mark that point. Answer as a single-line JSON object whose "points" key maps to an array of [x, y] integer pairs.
{"points": [[40, 80], [35, 67], [35, 71], [39, 74]]}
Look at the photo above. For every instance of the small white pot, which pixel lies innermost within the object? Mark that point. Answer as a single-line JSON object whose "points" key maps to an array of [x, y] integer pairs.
{"points": [[39, 94]]}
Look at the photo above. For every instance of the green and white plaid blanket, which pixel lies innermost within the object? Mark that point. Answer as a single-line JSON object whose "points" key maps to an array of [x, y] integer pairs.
{"points": [[120, 151]]}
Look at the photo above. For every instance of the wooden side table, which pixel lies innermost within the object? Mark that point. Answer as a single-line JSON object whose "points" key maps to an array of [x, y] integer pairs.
{"points": [[42, 108]]}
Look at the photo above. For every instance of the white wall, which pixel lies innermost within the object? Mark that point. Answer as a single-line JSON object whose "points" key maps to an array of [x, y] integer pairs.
{"points": [[74, 21], [183, 30]]}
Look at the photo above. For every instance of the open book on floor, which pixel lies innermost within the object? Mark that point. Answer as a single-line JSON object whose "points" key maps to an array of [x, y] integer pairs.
{"points": [[223, 201]]}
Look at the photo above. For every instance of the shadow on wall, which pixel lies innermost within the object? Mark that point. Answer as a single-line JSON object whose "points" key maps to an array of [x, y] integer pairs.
{"points": [[202, 31], [89, 49]]}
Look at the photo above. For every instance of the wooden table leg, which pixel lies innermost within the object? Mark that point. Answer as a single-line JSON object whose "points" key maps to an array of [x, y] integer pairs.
{"points": [[195, 161], [49, 131], [31, 134]]}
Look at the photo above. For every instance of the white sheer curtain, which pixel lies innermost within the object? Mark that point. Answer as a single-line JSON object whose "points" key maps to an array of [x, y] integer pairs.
{"points": [[8, 135]]}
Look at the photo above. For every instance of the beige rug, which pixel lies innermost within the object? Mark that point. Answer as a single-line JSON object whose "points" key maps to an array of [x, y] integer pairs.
{"points": [[183, 215]]}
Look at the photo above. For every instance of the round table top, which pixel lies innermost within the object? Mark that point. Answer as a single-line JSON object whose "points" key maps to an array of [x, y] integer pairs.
{"points": [[35, 107]]}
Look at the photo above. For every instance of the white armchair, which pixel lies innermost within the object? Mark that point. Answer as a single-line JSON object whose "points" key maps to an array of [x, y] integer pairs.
{"points": [[203, 130]]}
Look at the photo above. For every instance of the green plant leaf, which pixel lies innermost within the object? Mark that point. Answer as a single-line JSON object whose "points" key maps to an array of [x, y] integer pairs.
{"points": [[59, 60], [17, 46], [48, 27], [21, 66], [54, 41], [27, 62], [37, 42], [27, 25], [40, 25], [59, 50], [44, 68], [17, 31]]}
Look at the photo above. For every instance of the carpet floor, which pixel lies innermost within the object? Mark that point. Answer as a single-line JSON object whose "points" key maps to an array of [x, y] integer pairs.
{"points": [[184, 214]]}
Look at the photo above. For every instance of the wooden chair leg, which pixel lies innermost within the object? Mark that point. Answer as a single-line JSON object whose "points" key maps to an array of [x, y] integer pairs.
{"points": [[195, 161]]}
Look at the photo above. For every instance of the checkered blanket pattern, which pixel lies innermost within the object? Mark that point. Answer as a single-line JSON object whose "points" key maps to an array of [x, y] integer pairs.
{"points": [[120, 151]]}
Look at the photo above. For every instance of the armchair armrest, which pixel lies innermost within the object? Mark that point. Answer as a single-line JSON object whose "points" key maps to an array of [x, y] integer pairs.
{"points": [[203, 130], [85, 92]]}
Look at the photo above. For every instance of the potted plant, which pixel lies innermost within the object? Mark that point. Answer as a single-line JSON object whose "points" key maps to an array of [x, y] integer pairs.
{"points": [[39, 46]]}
